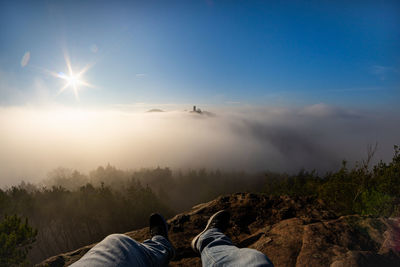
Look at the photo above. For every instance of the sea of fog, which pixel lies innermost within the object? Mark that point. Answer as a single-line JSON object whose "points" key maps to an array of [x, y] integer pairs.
{"points": [[34, 141]]}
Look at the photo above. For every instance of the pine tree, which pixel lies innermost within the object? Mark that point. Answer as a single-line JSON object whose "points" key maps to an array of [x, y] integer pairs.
{"points": [[16, 238]]}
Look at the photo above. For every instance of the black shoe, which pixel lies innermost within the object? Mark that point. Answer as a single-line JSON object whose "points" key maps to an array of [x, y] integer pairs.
{"points": [[158, 225], [219, 220]]}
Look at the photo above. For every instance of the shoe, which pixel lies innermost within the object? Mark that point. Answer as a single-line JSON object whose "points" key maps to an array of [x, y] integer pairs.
{"points": [[158, 225], [218, 220]]}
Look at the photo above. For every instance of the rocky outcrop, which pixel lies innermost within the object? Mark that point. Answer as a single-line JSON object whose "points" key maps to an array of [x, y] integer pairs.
{"points": [[291, 231]]}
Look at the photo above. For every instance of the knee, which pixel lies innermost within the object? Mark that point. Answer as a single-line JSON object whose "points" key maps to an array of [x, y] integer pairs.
{"points": [[263, 259], [115, 240], [116, 237], [258, 258]]}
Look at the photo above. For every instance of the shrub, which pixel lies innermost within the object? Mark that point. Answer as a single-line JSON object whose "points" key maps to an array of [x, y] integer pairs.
{"points": [[16, 238]]}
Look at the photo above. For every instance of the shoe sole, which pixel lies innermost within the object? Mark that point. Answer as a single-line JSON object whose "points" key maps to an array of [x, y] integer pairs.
{"points": [[196, 238]]}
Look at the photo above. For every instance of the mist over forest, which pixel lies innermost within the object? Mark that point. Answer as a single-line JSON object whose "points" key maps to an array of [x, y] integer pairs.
{"points": [[70, 209], [35, 141]]}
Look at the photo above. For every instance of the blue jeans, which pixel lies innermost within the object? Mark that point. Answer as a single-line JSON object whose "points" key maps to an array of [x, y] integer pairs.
{"points": [[215, 247], [218, 250], [121, 250]]}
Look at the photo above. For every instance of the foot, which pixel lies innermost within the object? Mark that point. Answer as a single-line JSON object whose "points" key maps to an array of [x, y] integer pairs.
{"points": [[219, 220], [158, 225]]}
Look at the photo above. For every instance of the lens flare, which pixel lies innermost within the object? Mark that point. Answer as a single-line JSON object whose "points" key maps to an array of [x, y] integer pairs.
{"points": [[74, 80]]}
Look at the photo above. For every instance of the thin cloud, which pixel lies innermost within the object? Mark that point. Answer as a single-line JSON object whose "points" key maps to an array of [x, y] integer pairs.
{"points": [[383, 71], [362, 89]]}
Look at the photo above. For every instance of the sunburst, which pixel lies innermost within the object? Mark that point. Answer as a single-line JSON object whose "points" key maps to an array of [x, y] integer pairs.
{"points": [[74, 80]]}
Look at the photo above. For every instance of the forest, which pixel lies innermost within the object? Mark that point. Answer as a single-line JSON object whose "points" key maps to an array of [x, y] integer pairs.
{"points": [[70, 209]]}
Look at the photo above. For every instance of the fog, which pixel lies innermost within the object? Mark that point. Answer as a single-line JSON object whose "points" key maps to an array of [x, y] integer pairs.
{"points": [[34, 141]]}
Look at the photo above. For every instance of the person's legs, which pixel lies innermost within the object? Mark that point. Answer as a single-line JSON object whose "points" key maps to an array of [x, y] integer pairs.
{"points": [[217, 249], [121, 250]]}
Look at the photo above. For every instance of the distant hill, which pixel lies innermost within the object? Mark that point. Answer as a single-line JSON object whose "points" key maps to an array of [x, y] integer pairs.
{"points": [[155, 110], [204, 113], [292, 231], [196, 110]]}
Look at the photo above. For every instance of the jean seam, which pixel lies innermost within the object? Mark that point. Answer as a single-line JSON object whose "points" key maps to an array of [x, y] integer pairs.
{"points": [[214, 261]]}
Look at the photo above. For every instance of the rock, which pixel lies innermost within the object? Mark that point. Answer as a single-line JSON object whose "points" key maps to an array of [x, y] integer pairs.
{"points": [[290, 231]]}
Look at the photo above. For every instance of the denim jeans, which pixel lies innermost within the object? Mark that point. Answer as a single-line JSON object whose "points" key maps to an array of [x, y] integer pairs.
{"points": [[215, 247], [218, 250], [121, 250]]}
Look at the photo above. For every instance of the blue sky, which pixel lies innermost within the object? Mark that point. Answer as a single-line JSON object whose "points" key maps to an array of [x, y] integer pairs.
{"points": [[209, 52]]}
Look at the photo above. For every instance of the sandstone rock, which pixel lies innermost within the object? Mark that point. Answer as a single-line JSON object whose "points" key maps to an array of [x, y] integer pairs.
{"points": [[291, 231]]}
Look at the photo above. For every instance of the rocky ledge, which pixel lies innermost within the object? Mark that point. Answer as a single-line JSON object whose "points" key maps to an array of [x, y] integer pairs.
{"points": [[291, 231]]}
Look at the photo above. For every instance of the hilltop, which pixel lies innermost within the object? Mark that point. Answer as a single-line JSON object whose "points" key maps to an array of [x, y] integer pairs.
{"points": [[155, 110], [292, 231]]}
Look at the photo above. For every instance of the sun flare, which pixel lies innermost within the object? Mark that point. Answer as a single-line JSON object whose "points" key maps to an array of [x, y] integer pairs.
{"points": [[74, 80]]}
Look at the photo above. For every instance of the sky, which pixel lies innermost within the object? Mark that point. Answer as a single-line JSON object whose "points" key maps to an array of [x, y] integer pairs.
{"points": [[287, 84], [210, 52]]}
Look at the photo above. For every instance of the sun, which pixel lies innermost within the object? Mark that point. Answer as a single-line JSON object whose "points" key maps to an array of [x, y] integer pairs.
{"points": [[73, 80]]}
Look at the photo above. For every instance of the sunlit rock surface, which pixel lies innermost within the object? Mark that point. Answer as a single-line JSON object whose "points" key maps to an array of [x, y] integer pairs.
{"points": [[291, 231]]}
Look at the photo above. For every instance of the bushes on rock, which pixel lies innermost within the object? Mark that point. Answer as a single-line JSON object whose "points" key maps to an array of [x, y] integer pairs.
{"points": [[362, 190]]}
